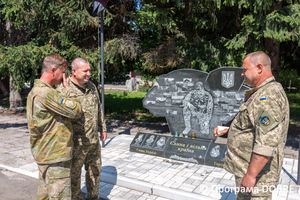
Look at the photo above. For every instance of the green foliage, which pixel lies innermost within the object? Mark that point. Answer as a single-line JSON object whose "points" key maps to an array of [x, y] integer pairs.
{"points": [[155, 38], [294, 100], [289, 77], [24, 62], [67, 28], [144, 88], [278, 20], [284, 24]]}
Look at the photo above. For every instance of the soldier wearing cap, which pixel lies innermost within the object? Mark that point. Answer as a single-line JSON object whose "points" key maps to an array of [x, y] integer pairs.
{"points": [[87, 149], [257, 134], [49, 115]]}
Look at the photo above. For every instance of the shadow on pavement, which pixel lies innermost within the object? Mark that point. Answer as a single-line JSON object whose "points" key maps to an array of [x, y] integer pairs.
{"points": [[105, 187], [5, 126]]}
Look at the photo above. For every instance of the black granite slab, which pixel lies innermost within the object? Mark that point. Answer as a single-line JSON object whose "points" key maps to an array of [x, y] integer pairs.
{"points": [[151, 144], [177, 148], [196, 101], [215, 155]]}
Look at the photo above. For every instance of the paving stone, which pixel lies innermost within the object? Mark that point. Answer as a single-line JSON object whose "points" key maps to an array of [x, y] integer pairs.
{"points": [[197, 182], [169, 183], [209, 178], [187, 187], [155, 171], [176, 185]]}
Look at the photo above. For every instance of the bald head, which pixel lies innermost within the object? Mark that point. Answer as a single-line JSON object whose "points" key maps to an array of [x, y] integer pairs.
{"points": [[260, 57], [256, 68], [78, 62], [81, 71]]}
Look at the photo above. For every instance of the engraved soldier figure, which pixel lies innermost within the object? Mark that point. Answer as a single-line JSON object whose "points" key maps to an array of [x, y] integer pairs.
{"points": [[49, 115], [87, 149], [197, 103], [257, 134]]}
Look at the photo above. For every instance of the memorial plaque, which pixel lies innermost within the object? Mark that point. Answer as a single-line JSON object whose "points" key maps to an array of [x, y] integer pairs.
{"points": [[215, 155], [149, 141], [196, 101], [138, 139], [179, 148], [151, 144], [160, 143], [187, 149]]}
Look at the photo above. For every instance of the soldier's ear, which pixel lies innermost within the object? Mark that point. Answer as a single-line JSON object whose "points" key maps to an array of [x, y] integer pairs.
{"points": [[259, 68], [53, 69], [73, 71]]}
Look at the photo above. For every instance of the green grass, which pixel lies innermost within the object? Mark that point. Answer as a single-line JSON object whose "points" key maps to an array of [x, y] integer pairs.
{"points": [[124, 105], [294, 100]]}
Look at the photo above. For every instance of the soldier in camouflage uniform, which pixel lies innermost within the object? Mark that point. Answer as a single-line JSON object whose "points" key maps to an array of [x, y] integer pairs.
{"points": [[87, 149], [49, 115], [257, 134]]}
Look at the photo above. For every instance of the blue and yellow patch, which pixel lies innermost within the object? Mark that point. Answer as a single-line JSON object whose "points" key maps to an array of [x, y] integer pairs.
{"points": [[265, 120], [62, 101], [263, 99]]}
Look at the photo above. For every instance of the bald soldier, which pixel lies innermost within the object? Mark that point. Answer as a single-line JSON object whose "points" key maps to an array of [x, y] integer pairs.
{"points": [[87, 149], [257, 134], [49, 115]]}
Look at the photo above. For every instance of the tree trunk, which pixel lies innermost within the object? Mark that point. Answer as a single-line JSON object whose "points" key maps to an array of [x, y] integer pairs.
{"points": [[273, 50], [4, 85], [188, 25], [15, 99]]}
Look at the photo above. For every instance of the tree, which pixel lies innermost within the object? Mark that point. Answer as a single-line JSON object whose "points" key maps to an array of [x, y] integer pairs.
{"points": [[206, 35], [186, 34], [264, 25], [67, 28]]}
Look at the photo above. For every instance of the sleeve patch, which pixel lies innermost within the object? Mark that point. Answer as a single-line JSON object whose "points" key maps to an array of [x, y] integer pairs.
{"points": [[265, 120], [62, 101], [70, 104]]}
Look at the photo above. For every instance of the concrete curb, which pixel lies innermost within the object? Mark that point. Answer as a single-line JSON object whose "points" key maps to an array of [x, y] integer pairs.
{"points": [[150, 188], [21, 171]]}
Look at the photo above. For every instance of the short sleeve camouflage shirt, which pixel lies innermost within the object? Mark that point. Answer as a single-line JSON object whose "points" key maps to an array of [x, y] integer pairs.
{"points": [[260, 127], [49, 115]]}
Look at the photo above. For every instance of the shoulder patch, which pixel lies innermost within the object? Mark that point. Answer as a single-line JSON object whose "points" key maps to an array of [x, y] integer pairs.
{"points": [[70, 104], [265, 120]]}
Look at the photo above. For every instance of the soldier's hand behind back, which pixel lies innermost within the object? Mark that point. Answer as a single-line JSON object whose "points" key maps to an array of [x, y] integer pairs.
{"points": [[103, 136]]}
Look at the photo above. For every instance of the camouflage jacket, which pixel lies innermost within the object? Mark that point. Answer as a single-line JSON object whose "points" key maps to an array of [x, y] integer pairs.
{"points": [[86, 127], [49, 115], [260, 127]]}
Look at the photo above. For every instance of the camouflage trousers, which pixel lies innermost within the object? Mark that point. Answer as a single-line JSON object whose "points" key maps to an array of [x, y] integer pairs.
{"points": [[90, 157], [262, 192], [54, 181]]}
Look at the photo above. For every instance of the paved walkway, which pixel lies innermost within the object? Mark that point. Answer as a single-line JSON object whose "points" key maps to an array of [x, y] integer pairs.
{"points": [[129, 175]]}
